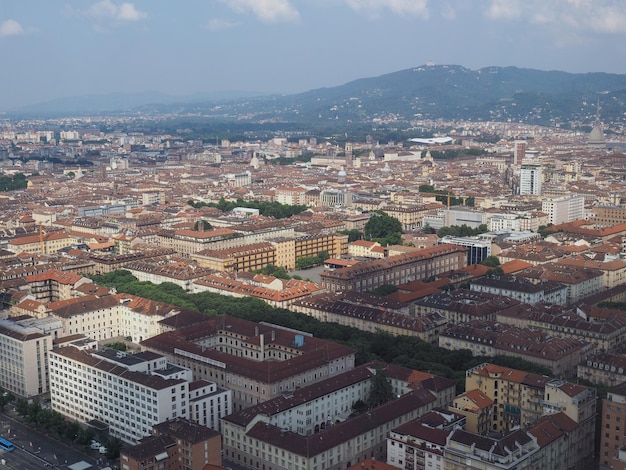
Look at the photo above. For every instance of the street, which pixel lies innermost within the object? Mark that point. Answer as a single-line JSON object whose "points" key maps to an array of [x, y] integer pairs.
{"points": [[34, 450]]}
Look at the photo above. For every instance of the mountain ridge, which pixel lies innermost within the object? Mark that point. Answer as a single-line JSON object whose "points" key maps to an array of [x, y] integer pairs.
{"points": [[424, 92]]}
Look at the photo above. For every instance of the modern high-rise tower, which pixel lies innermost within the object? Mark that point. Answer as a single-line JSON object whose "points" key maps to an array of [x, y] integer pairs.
{"points": [[530, 179], [519, 151]]}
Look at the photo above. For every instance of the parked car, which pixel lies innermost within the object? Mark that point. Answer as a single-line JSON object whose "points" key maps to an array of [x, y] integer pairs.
{"points": [[102, 450], [95, 445]]}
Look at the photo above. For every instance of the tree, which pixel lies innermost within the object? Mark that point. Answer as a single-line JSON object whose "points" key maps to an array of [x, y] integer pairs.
{"points": [[384, 229], [353, 234], [385, 289], [491, 261], [205, 225], [5, 398], [118, 345], [381, 390]]}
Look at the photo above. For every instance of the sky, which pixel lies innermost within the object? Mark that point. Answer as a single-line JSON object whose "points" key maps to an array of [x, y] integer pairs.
{"points": [[51, 49]]}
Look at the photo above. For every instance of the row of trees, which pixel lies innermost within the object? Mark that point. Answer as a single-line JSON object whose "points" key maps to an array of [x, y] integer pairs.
{"points": [[54, 422], [462, 231], [401, 350], [305, 262], [10, 183], [269, 209]]}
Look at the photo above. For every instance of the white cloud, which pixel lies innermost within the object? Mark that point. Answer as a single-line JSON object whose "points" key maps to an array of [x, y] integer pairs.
{"points": [[399, 7], [271, 11], [448, 11], [107, 10], [574, 16], [128, 12], [503, 9], [11, 28], [216, 25]]}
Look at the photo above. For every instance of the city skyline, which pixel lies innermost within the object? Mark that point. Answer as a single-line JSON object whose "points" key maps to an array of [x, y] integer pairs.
{"points": [[65, 49]]}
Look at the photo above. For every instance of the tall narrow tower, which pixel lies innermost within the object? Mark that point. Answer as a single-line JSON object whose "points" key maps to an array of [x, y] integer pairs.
{"points": [[348, 150], [519, 151]]}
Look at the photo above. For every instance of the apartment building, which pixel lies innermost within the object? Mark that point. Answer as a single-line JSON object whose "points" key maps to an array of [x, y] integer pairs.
{"points": [[332, 308], [476, 407], [24, 359], [291, 196], [613, 437], [257, 362], [90, 315], [365, 249], [613, 271], [336, 244], [463, 305], [400, 269], [276, 292], [55, 285], [521, 399], [604, 369], [527, 292], [490, 339], [514, 451], [420, 444], [440, 441], [607, 332], [313, 428], [129, 392], [608, 215], [176, 271], [45, 243], [581, 281], [188, 242], [178, 443], [410, 216], [242, 258]]}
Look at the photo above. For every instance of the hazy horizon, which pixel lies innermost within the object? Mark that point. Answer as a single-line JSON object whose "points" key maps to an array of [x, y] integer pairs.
{"points": [[68, 49]]}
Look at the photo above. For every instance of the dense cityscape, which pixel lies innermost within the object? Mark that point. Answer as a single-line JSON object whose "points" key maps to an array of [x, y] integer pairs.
{"points": [[160, 292]]}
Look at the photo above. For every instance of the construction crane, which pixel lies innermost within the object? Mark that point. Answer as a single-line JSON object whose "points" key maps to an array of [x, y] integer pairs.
{"points": [[41, 245]]}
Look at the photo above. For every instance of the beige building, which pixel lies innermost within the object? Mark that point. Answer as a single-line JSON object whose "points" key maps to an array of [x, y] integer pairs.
{"points": [[242, 258], [329, 308], [613, 272], [257, 362], [418, 265], [604, 369], [45, 243], [521, 399], [476, 407], [313, 429], [365, 249], [290, 196], [55, 285]]}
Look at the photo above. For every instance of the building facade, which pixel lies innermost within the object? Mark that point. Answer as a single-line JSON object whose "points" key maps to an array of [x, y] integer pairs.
{"points": [[24, 358], [129, 392]]}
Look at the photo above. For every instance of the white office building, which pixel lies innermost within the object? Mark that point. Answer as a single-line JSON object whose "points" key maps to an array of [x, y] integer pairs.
{"points": [[23, 359], [530, 179], [564, 209], [129, 392]]}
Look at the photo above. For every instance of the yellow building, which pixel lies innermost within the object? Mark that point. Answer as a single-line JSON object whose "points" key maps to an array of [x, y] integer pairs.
{"points": [[243, 258], [521, 398], [476, 407], [45, 243]]}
